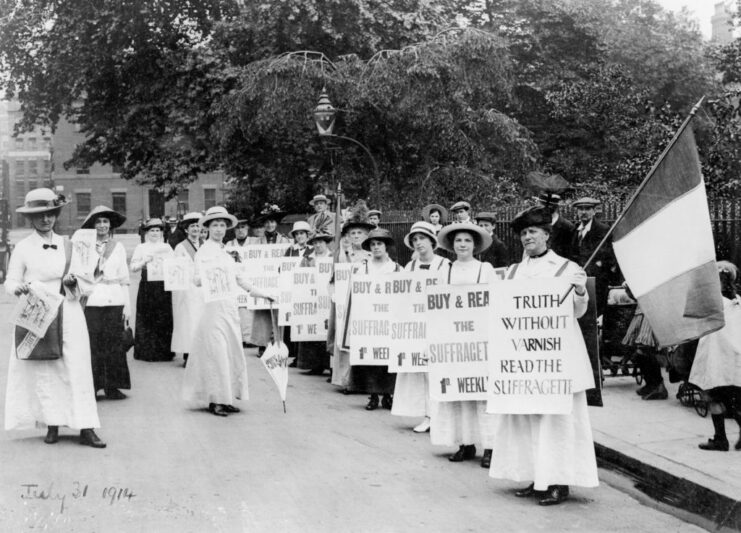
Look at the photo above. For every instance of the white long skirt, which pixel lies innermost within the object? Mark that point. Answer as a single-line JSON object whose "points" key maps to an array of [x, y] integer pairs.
{"points": [[340, 363], [245, 324], [216, 371], [186, 311], [59, 392], [546, 449], [457, 423], [411, 394]]}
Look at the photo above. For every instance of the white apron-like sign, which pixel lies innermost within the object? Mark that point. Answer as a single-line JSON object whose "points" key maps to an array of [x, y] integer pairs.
{"points": [[285, 289], [310, 305], [342, 272], [369, 320], [408, 332], [261, 267], [458, 346], [530, 335]]}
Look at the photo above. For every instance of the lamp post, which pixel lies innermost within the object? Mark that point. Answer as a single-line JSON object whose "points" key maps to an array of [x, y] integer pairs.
{"points": [[324, 116]]}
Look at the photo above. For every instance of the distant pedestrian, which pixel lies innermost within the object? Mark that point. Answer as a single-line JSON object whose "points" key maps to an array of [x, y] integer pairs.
{"points": [[374, 217], [497, 254], [108, 307], [562, 229], [436, 215], [323, 220]]}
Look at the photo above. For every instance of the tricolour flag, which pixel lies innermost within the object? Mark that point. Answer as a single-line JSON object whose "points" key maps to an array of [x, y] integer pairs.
{"points": [[664, 245]]}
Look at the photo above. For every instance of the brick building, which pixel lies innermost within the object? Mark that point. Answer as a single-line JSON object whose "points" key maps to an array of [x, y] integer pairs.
{"points": [[36, 159]]}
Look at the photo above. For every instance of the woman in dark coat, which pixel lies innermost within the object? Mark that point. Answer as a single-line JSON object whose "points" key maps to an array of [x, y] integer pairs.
{"points": [[153, 332]]}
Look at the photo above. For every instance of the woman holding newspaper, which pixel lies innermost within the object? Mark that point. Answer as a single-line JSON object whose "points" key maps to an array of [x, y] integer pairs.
{"points": [[53, 386], [216, 374], [108, 306], [463, 423], [552, 450]]}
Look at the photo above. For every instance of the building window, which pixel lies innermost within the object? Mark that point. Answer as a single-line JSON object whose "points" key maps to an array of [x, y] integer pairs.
{"points": [[82, 200], [46, 143], [47, 167], [82, 171], [31, 143], [209, 198], [18, 143], [183, 206], [32, 184], [20, 189], [33, 168], [20, 168], [118, 199]]}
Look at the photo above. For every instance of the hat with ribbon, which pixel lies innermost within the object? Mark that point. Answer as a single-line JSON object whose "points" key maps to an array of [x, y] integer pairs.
{"points": [[446, 236], [326, 237], [154, 223], [423, 228], [378, 234], [217, 212], [300, 225], [190, 218], [319, 198], [42, 200], [537, 216]]}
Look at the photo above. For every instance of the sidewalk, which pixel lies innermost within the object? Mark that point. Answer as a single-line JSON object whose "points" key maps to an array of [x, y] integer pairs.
{"points": [[655, 443]]}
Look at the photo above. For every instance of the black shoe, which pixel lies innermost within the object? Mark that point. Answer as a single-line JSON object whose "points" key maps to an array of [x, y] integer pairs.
{"points": [[231, 409], [217, 409], [527, 491], [294, 364], [643, 390], [372, 404], [555, 495], [658, 393], [114, 394], [387, 401], [464, 453], [89, 438], [716, 445], [486, 459], [314, 372], [52, 435]]}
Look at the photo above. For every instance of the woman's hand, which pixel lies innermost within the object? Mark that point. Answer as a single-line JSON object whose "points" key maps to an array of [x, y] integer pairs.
{"points": [[69, 281], [23, 288], [148, 258], [579, 281]]}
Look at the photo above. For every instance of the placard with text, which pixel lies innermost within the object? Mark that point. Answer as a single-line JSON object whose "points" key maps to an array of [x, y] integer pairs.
{"points": [[369, 319], [310, 305]]}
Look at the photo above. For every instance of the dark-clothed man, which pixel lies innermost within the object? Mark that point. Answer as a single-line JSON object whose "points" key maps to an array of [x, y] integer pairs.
{"points": [[587, 236], [322, 221], [496, 254], [562, 229]]}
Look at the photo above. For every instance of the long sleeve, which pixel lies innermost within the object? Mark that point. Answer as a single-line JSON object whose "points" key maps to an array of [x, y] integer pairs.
{"points": [[137, 259], [16, 269]]}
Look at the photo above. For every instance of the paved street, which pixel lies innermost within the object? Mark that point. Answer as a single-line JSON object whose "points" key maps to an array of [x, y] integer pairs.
{"points": [[326, 465]]}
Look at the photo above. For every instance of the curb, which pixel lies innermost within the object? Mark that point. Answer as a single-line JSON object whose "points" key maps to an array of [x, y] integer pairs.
{"points": [[674, 491]]}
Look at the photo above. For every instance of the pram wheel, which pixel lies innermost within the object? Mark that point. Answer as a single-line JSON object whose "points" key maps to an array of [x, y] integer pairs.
{"points": [[701, 406]]}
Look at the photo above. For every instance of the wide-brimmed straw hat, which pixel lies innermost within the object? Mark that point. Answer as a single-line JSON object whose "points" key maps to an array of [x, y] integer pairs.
{"points": [[190, 218], [533, 216], [40, 201], [481, 237], [426, 210], [378, 234], [102, 211], [424, 228], [300, 225], [326, 237], [319, 198], [217, 212], [154, 223]]}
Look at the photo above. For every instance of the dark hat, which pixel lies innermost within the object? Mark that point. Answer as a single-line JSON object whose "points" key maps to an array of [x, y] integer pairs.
{"points": [[532, 216], [461, 205], [548, 198], [378, 234], [486, 215], [426, 210], [482, 239], [357, 218], [271, 212], [326, 237], [102, 211], [586, 202]]}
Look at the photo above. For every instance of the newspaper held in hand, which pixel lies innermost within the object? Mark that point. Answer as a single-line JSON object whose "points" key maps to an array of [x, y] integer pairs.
{"points": [[156, 267], [178, 273], [35, 311]]}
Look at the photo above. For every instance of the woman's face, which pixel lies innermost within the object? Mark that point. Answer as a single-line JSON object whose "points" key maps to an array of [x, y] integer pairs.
{"points": [[102, 226], [154, 234], [194, 231], [204, 233], [320, 246], [434, 218], [357, 235], [217, 230], [43, 222], [300, 237], [377, 249], [271, 226], [421, 243], [534, 240], [241, 231], [463, 244]]}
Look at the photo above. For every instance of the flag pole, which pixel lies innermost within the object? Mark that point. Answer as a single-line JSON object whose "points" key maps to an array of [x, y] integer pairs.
{"points": [[338, 222], [642, 186]]}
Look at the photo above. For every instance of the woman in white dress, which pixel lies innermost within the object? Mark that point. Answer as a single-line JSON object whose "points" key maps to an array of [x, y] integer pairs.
{"points": [[216, 374], [187, 305], [717, 365], [107, 307], [463, 423], [57, 392], [411, 394], [375, 380], [554, 451]]}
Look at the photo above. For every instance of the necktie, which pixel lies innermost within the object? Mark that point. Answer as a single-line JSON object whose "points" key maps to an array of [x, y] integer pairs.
{"points": [[52, 246]]}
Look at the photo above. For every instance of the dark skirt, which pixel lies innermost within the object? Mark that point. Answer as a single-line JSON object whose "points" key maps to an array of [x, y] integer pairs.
{"points": [[105, 326], [153, 331], [312, 355], [372, 379]]}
